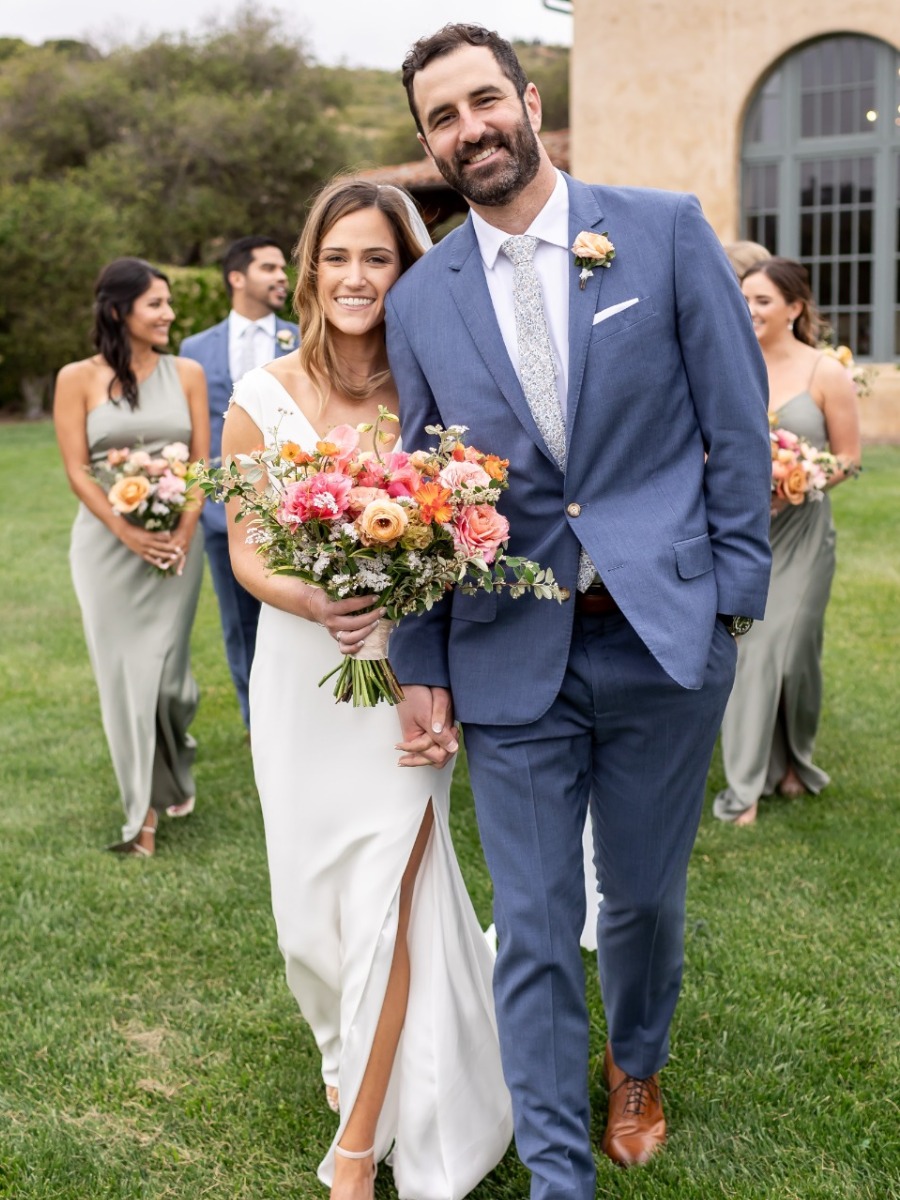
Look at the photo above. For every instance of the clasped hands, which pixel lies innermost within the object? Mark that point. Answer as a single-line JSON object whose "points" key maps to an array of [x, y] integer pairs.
{"points": [[430, 739], [166, 551]]}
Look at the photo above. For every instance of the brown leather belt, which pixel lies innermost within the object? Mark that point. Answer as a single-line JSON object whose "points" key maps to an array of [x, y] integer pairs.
{"points": [[595, 603]]}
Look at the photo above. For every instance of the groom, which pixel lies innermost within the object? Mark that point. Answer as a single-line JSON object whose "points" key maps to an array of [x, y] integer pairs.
{"points": [[631, 403]]}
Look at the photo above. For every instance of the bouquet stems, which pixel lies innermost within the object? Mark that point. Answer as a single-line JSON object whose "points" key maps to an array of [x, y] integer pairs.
{"points": [[365, 682]]}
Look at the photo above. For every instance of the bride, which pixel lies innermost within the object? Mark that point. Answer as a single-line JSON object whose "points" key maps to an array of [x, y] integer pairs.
{"points": [[382, 948]]}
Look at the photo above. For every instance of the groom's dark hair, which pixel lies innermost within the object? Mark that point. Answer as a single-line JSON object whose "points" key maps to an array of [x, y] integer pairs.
{"points": [[239, 255], [454, 37]]}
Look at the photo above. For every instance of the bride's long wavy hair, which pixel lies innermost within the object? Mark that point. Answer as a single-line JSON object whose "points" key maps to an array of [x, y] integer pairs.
{"points": [[118, 285], [317, 355]]}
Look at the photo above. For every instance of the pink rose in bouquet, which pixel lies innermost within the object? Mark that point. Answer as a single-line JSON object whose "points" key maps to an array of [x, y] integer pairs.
{"points": [[479, 530], [458, 475], [170, 488]]}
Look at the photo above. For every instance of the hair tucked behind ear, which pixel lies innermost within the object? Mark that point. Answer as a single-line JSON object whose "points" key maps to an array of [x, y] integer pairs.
{"points": [[792, 280], [337, 200], [118, 286]]}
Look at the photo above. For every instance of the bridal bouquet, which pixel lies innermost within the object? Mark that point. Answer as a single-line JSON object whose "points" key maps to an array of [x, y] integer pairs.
{"points": [[405, 527], [799, 471], [150, 491]]}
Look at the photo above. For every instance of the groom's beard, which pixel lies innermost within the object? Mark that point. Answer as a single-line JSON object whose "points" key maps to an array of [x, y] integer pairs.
{"points": [[502, 181]]}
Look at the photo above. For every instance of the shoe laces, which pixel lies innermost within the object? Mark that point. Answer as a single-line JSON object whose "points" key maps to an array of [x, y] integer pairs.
{"points": [[639, 1093]]}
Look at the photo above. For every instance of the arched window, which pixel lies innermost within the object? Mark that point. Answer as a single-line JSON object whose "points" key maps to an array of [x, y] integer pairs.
{"points": [[821, 182]]}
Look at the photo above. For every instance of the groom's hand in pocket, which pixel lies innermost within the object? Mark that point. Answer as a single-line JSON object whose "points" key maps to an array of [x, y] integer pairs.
{"points": [[430, 738]]}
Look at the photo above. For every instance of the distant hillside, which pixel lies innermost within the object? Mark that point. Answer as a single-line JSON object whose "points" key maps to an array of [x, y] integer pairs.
{"points": [[376, 117]]}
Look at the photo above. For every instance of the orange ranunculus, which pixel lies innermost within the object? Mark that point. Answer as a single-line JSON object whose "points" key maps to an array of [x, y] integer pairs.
{"points": [[327, 449], [433, 502], [290, 451], [459, 452], [495, 467], [128, 493], [795, 485]]}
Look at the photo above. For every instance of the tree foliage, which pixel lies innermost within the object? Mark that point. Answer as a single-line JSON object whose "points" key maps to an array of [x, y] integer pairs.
{"points": [[55, 234], [196, 141], [170, 149]]}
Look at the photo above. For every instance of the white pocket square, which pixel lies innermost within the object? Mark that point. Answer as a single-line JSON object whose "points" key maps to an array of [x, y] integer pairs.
{"points": [[604, 313]]}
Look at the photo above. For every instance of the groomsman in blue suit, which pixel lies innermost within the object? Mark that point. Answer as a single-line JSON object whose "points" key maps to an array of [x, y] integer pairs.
{"points": [[250, 336], [624, 383]]}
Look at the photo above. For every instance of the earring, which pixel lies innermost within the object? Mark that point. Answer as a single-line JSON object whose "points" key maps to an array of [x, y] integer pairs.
{"points": [[791, 325]]}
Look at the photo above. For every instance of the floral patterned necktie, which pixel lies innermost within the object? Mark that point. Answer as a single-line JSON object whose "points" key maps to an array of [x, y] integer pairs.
{"points": [[536, 370]]}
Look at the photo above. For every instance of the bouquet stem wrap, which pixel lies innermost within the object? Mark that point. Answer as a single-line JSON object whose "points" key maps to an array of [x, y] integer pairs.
{"points": [[367, 677]]}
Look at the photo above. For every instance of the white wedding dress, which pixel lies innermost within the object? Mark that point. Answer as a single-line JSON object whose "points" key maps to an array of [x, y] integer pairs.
{"points": [[341, 819]]}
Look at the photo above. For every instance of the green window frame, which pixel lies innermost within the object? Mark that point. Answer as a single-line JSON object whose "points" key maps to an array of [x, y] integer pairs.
{"points": [[820, 181]]}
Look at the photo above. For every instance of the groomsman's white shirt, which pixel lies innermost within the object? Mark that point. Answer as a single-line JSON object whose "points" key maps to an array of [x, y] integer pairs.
{"points": [[554, 264], [243, 357]]}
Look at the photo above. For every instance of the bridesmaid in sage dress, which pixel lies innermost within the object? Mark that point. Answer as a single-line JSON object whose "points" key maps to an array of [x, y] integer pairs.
{"points": [[769, 729], [137, 622]]}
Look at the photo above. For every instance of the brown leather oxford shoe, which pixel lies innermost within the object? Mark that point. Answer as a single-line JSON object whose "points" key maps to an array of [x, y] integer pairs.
{"points": [[635, 1124]]}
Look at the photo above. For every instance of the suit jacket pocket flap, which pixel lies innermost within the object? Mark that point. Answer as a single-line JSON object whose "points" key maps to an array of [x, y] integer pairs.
{"points": [[694, 556], [480, 607]]}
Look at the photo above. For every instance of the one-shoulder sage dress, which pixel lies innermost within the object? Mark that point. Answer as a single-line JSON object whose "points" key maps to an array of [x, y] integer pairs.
{"points": [[773, 713], [137, 623]]}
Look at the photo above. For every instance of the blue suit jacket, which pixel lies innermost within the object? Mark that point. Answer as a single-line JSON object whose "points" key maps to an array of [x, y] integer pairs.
{"points": [[210, 350], [668, 464]]}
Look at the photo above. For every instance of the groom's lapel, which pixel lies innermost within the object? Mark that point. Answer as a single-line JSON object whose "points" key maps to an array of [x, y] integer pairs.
{"points": [[585, 213], [469, 289]]}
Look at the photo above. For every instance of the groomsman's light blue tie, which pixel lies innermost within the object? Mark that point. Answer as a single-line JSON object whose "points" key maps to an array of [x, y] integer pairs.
{"points": [[536, 369]]}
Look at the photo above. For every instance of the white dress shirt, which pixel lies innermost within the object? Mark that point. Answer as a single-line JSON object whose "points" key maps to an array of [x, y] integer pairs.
{"points": [[250, 343], [553, 263]]}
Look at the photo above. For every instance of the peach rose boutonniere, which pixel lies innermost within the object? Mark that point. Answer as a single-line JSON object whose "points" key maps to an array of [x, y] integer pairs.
{"points": [[592, 250]]}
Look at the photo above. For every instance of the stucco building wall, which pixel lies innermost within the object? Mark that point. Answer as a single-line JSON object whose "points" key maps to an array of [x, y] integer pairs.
{"points": [[660, 88]]}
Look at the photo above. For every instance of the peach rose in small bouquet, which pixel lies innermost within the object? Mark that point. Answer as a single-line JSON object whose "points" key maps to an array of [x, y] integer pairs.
{"points": [[800, 472], [405, 527]]}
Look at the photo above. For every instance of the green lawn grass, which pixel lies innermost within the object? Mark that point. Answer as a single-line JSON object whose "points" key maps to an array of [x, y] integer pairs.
{"points": [[150, 1047]]}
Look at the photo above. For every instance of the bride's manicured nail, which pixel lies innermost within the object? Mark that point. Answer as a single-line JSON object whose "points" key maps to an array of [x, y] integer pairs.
{"points": [[437, 728]]}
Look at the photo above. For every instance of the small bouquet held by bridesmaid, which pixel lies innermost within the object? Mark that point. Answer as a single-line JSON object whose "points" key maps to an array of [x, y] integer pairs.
{"points": [[151, 491], [405, 527], [800, 472]]}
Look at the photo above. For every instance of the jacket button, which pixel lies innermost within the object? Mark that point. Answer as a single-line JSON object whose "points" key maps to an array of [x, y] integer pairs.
{"points": [[564, 594], [574, 510]]}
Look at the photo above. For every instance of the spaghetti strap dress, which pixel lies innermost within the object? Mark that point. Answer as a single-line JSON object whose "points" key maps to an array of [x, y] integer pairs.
{"points": [[137, 623], [341, 819], [773, 713]]}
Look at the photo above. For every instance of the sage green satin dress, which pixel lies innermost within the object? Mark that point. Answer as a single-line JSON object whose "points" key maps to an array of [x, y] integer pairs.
{"points": [[773, 713], [137, 623]]}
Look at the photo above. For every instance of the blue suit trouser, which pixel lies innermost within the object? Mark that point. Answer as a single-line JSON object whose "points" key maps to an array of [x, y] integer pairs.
{"points": [[624, 737], [239, 614]]}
